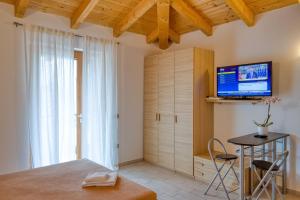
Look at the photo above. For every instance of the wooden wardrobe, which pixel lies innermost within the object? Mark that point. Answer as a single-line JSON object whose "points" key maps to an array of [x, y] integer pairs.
{"points": [[178, 122]]}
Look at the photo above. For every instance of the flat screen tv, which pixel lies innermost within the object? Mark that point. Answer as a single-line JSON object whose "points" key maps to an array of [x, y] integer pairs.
{"points": [[247, 80]]}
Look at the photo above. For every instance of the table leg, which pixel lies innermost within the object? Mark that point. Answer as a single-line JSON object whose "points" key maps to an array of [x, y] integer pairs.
{"points": [[252, 169], [263, 157], [274, 179], [242, 183], [263, 152], [284, 167]]}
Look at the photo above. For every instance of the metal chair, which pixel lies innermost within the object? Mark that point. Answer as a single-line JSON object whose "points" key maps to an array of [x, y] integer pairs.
{"points": [[226, 158], [271, 171]]}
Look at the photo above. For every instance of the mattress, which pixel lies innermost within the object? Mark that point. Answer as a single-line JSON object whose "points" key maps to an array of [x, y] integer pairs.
{"points": [[63, 182]]}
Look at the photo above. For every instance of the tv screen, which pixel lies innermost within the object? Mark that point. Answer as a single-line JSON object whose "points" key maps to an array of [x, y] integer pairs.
{"points": [[247, 80]]}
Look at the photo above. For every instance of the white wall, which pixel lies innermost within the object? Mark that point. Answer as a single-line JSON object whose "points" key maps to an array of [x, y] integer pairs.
{"points": [[13, 142], [276, 37], [8, 117], [131, 104]]}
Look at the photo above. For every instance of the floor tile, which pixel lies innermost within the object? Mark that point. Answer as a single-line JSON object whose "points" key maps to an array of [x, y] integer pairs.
{"points": [[169, 185]]}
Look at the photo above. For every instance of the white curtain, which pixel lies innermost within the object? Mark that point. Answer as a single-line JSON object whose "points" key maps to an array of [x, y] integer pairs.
{"points": [[50, 89], [100, 126]]}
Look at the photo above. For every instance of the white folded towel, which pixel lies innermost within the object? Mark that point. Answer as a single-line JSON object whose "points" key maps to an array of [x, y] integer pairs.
{"points": [[97, 177], [100, 179]]}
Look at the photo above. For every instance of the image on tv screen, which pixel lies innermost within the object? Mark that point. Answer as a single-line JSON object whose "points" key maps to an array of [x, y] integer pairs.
{"points": [[253, 72], [245, 80]]}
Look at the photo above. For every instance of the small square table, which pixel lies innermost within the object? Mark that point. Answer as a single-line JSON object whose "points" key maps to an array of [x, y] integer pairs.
{"points": [[251, 141]]}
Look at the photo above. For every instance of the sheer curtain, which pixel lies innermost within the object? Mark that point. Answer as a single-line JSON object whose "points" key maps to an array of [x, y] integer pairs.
{"points": [[50, 89], [100, 126]]}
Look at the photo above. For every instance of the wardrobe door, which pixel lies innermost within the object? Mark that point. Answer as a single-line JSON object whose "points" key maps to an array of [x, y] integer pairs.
{"points": [[184, 111], [166, 110], [150, 109]]}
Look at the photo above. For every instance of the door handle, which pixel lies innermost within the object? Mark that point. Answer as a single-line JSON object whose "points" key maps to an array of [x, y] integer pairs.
{"points": [[79, 117], [159, 117], [176, 119]]}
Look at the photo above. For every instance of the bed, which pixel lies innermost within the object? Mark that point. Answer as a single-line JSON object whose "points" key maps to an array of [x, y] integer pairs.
{"points": [[63, 182]]}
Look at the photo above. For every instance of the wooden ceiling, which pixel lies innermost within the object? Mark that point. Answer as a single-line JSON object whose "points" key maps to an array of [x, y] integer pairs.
{"points": [[161, 21]]}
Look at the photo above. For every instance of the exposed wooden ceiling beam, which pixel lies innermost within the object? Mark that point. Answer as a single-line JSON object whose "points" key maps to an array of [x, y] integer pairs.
{"points": [[175, 37], [136, 13], [153, 36], [242, 10], [163, 19], [20, 7], [190, 13], [82, 12]]}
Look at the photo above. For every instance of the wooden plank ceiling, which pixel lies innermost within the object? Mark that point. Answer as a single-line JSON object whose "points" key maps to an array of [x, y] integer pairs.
{"points": [[161, 21]]}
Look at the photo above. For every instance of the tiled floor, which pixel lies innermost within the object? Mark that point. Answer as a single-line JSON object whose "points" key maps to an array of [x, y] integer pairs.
{"points": [[172, 186]]}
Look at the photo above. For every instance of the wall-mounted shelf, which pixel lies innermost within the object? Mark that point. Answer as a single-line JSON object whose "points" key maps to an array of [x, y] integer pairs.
{"points": [[221, 100]]}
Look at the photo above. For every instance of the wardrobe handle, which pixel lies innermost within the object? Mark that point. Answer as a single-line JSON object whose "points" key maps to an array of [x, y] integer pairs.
{"points": [[159, 117], [176, 119]]}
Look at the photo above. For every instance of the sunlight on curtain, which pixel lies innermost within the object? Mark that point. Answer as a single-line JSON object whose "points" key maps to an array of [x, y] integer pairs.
{"points": [[100, 126], [51, 95]]}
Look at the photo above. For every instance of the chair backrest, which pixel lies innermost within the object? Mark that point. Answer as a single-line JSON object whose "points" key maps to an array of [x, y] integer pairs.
{"points": [[279, 161], [210, 144], [282, 158]]}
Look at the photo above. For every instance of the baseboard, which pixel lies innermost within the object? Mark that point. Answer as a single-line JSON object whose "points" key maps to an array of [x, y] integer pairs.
{"points": [[130, 162], [185, 174], [174, 171]]}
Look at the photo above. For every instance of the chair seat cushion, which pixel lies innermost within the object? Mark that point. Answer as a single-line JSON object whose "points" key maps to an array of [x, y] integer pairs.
{"points": [[264, 165], [226, 157]]}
